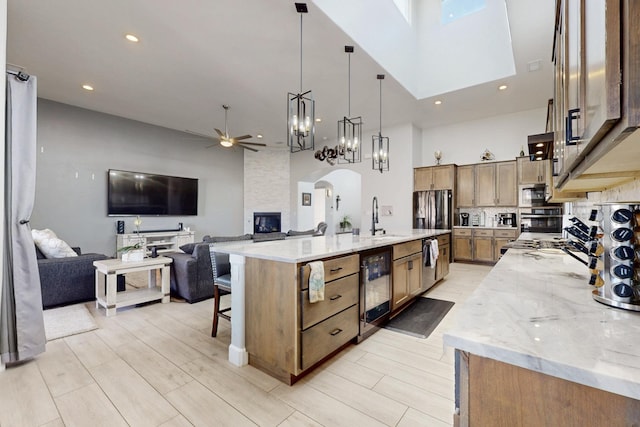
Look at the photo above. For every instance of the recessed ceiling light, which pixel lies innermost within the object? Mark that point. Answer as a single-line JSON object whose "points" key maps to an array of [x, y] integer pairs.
{"points": [[87, 87], [132, 38], [503, 87], [318, 120], [438, 102], [259, 136]]}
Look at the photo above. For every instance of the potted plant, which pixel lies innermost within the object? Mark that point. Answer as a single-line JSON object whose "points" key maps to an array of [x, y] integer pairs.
{"points": [[345, 223], [135, 252]]}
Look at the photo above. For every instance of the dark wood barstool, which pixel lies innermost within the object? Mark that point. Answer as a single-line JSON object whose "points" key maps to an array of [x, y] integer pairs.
{"points": [[221, 286]]}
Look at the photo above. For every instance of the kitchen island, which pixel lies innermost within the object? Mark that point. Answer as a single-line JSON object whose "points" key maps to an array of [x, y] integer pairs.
{"points": [[534, 348], [273, 326]]}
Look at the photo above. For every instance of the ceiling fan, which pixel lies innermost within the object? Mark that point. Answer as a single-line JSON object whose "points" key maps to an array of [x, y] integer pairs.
{"points": [[228, 141]]}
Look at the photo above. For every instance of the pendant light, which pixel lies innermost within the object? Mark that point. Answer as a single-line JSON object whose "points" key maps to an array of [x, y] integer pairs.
{"points": [[300, 108], [349, 128], [380, 144]]}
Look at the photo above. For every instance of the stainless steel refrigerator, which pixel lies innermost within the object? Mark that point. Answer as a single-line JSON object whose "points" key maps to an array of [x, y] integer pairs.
{"points": [[432, 209]]}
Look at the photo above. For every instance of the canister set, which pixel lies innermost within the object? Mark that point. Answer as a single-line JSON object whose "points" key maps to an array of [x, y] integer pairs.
{"points": [[614, 253]]}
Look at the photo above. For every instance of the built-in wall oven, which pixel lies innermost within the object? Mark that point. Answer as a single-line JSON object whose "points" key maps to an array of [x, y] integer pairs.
{"points": [[375, 290], [541, 219]]}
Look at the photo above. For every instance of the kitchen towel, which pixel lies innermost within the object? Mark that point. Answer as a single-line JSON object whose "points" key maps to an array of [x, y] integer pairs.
{"points": [[434, 252], [426, 253], [316, 281]]}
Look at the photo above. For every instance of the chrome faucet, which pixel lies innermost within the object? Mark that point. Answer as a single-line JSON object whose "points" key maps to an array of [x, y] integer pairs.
{"points": [[374, 215]]}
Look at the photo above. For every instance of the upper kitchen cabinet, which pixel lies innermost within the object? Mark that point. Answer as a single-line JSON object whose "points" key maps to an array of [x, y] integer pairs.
{"points": [[466, 182], [533, 172], [597, 93], [434, 178], [495, 184]]}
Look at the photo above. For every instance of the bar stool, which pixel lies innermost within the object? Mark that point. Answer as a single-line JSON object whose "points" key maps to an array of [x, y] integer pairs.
{"points": [[221, 286]]}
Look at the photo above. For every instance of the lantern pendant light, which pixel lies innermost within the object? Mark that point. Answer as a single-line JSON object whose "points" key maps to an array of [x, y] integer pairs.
{"points": [[380, 144], [300, 108], [349, 129]]}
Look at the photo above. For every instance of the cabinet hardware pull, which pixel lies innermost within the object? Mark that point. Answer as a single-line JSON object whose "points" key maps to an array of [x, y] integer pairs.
{"points": [[335, 297], [570, 138], [335, 270], [410, 264], [335, 332]]}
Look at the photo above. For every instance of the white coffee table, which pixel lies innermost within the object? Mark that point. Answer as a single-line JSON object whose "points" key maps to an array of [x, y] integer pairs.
{"points": [[107, 271]]}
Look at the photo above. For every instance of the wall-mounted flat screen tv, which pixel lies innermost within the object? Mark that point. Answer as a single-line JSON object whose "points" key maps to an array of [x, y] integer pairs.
{"points": [[138, 193]]}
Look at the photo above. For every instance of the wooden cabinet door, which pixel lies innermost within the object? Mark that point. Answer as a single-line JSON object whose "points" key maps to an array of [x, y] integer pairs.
{"points": [[443, 177], [483, 249], [602, 66], [506, 184], [422, 179], [498, 243], [400, 293], [414, 274], [442, 266], [462, 248], [485, 185], [528, 171], [465, 184]]}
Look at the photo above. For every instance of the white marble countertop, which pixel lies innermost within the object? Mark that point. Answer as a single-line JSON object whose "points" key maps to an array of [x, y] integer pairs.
{"points": [[305, 249], [535, 310], [501, 227]]}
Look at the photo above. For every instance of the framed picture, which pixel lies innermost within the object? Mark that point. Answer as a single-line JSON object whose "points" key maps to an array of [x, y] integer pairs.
{"points": [[306, 199]]}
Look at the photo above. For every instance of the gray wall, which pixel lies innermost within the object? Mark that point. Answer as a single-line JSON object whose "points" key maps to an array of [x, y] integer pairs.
{"points": [[76, 147]]}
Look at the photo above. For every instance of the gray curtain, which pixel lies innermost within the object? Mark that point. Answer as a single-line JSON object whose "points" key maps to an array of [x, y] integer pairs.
{"points": [[21, 325]]}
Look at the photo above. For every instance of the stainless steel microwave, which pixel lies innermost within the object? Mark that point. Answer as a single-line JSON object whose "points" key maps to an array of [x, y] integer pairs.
{"points": [[532, 195]]}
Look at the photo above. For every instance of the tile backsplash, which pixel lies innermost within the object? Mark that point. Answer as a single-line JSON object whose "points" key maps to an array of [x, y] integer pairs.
{"points": [[629, 192]]}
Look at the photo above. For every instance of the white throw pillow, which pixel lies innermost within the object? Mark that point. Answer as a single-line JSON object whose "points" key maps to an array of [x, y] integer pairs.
{"points": [[50, 245]]}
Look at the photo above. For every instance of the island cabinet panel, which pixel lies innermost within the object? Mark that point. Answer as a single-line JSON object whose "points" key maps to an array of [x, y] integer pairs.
{"points": [[328, 335], [407, 273], [494, 393], [338, 295], [272, 317], [335, 268], [287, 335]]}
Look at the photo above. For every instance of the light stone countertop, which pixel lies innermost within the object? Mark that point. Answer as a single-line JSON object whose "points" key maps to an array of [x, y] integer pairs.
{"points": [[485, 226], [535, 310], [303, 249]]}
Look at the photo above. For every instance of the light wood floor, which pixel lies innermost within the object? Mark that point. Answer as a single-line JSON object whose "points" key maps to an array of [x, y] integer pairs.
{"points": [[158, 366]]}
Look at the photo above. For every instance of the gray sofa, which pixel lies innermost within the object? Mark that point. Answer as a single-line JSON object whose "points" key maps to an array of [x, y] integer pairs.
{"points": [[71, 280], [191, 272]]}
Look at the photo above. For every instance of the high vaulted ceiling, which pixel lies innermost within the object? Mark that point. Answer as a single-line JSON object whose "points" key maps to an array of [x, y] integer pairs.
{"points": [[195, 55]]}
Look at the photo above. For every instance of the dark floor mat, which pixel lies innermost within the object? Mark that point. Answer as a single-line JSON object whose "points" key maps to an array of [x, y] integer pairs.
{"points": [[421, 317]]}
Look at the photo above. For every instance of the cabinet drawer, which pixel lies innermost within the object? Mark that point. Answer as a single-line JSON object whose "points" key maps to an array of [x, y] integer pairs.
{"points": [[483, 233], [461, 232], [325, 337], [444, 239], [335, 268], [509, 234], [338, 295], [409, 248]]}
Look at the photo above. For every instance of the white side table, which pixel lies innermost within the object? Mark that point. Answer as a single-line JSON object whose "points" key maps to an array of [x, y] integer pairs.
{"points": [[107, 272]]}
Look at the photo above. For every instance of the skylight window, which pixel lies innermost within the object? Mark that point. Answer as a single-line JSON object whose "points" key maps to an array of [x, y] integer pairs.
{"points": [[404, 6], [456, 9]]}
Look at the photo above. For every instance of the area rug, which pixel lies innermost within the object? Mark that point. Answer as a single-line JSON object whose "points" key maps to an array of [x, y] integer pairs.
{"points": [[421, 317], [70, 320]]}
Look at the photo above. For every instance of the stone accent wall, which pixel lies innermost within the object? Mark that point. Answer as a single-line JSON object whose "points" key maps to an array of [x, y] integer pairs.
{"points": [[266, 185]]}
